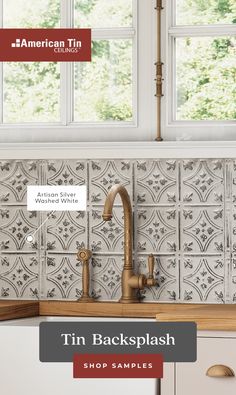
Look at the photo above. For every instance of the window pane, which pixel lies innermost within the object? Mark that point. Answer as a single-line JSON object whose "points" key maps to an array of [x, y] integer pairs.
{"points": [[28, 13], [31, 91], [103, 88], [203, 12], [206, 78], [103, 13]]}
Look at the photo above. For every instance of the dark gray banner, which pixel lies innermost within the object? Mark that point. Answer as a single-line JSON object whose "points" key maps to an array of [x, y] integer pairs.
{"points": [[59, 341]]}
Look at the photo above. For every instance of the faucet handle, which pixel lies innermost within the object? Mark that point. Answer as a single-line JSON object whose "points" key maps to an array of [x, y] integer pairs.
{"points": [[151, 263], [84, 255], [150, 281]]}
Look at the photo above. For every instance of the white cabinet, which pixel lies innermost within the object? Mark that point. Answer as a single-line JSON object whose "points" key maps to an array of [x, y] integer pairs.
{"points": [[21, 372], [214, 348]]}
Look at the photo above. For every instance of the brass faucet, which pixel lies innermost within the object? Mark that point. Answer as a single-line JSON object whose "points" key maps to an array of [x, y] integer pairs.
{"points": [[130, 281]]}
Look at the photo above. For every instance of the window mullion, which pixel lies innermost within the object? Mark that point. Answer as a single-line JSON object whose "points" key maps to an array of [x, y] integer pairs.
{"points": [[66, 67], [114, 33], [202, 31]]}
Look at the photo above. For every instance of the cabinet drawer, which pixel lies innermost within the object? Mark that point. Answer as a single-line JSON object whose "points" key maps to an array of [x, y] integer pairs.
{"points": [[191, 378]]}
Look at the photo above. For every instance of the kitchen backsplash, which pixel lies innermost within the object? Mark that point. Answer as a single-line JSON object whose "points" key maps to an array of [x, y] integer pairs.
{"points": [[184, 213]]}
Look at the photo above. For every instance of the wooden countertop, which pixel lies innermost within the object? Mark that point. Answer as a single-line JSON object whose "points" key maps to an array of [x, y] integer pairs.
{"points": [[207, 317], [107, 309], [11, 309]]}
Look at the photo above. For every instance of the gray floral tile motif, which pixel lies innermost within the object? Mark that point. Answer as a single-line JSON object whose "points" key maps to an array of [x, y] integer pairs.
{"points": [[165, 271], [106, 236], [233, 229], [106, 276], [202, 181], [202, 279], [15, 176], [106, 173], [19, 276], [66, 173], [156, 229], [62, 276], [155, 182], [66, 231], [184, 213], [233, 182], [16, 224], [232, 279], [202, 229]]}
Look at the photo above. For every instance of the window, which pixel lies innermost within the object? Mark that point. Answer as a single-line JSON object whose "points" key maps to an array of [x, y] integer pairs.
{"points": [[83, 101], [200, 53]]}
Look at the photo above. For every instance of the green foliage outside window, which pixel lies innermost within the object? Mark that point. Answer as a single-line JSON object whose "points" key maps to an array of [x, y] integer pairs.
{"points": [[206, 66]]}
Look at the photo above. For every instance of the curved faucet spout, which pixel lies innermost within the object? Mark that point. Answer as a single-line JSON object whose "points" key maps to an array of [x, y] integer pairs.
{"points": [[130, 282], [128, 228]]}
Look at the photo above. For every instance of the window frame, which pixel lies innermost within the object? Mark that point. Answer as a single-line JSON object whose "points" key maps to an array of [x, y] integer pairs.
{"points": [[187, 130], [144, 104]]}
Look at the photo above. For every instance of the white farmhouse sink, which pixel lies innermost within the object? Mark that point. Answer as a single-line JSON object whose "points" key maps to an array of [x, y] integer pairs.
{"points": [[21, 372]]}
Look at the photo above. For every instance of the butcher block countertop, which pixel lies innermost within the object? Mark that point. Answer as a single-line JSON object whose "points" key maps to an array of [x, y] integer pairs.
{"points": [[207, 317], [12, 309]]}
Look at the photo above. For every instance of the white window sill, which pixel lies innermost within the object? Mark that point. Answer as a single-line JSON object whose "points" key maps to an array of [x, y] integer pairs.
{"points": [[119, 150]]}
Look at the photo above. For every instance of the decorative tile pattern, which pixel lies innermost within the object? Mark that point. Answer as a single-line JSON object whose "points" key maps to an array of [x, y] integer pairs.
{"points": [[156, 182], [184, 213], [156, 229], [16, 224], [106, 276], [202, 181], [19, 276], [62, 276], [66, 231], [66, 172], [166, 272], [203, 279], [203, 229], [14, 178], [105, 174], [106, 236]]}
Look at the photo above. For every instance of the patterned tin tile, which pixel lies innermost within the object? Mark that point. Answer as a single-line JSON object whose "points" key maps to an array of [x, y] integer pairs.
{"points": [[202, 181], [106, 236], [16, 225], [202, 229], [106, 173], [62, 276], [184, 213], [19, 276], [69, 172], [166, 272], [156, 230], [202, 279], [66, 231], [156, 182], [14, 178]]}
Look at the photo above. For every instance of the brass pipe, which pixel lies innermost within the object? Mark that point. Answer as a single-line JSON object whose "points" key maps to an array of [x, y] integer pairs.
{"points": [[159, 65]]}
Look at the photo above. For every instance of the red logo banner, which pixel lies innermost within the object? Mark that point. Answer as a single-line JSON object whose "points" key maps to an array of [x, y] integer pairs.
{"points": [[118, 366], [43, 45]]}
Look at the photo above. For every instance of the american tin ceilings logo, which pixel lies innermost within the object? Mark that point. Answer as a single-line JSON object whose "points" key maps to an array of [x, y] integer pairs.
{"points": [[45, 45]]}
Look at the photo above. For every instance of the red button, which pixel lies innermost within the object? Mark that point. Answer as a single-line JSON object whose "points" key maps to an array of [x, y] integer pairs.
{"points": [[118, 366]]}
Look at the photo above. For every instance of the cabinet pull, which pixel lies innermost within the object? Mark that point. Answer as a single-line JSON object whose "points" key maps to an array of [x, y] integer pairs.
{"points": [[220, 371]]}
